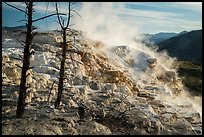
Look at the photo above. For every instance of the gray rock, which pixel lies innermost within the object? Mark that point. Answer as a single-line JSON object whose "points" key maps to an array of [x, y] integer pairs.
{"points": [[181, 126], [198, 129], [193, 118], [152, 62], [109, 86], [171, 74], [77, 80], [85, 80], [92, 128], [94, 85]]}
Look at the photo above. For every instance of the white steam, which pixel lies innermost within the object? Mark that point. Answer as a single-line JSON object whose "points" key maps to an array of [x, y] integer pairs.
{"points": [[101, 22]]}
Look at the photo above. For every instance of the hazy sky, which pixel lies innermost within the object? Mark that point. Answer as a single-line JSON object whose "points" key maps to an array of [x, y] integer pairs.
{"points": [[147, 17]]}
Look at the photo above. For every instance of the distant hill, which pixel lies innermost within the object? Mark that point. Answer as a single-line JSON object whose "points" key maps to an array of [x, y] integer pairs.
{"points": [[182, 32], [186, 47], [159, 37], [162, 36], [22, 27]]}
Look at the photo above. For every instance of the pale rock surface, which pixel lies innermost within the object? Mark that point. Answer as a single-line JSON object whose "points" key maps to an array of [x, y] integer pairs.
{"points": [[92, 128], [105, 88]]}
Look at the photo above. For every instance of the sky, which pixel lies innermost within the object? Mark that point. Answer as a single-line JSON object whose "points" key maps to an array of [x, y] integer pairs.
{"points": [[146, 17]]}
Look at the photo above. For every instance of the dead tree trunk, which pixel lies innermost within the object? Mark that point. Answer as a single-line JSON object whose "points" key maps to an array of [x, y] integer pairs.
{"points": [[27, 53], [62, 66], [64, 49], [26, 63]]}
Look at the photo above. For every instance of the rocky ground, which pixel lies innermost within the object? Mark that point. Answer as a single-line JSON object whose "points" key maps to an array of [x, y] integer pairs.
{"points": [[114, 101]]}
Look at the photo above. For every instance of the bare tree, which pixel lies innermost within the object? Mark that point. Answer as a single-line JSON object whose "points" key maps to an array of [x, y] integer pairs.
{"points": [[27, 53], [64, 48], [26, 62], [65, 43]]}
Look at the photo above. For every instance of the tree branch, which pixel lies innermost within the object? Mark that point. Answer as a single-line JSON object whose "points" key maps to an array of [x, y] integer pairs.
{"points": [[34, 28], [48, 16], [27, 3], [18, 66], [27, 87], [20, 56], [27, 75], [22, 20], [16, 58], [68, 20], [16, 8], [33, 35], [77, 13], [31, 68], [58, 15], [22, 43], [74, 5]]}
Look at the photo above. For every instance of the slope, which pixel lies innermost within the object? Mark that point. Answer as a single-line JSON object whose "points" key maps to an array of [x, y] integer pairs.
{"points": [[186, 47]]}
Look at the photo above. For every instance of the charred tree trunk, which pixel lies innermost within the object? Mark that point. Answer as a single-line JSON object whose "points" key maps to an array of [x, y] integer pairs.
{"points": [[27, 53], [26, 63], [64, 49], [61, 78]]}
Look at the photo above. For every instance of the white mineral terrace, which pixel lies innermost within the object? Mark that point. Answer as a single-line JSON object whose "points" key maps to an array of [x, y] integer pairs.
{"points": [[151, 95]]}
